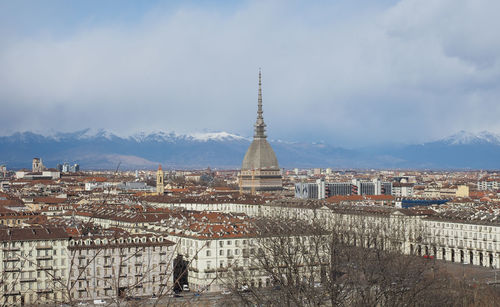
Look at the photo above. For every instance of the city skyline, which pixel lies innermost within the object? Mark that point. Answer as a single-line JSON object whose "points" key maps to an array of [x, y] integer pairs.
{"points": [[352, 74]]}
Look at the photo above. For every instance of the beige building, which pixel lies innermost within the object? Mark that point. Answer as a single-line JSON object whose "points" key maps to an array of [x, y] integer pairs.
{"points": [[462, 191], [410, 231], [116, 267], [43, 265], [34, 262]]}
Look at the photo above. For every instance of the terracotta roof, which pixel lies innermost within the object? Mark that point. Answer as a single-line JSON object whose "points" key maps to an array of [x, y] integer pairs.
{"points": [[49, 200], [33, 233], [339, 198]]}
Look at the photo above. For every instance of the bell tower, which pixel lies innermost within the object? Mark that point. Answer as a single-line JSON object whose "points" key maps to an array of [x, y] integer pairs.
{"points": [[160, 185]]}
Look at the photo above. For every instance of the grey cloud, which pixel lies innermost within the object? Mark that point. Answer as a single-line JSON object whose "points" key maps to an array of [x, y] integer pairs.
{"points": [[410, 72]]}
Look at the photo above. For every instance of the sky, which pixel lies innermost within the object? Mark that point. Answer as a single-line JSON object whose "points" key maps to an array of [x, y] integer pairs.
{"points": [[352, 73]]}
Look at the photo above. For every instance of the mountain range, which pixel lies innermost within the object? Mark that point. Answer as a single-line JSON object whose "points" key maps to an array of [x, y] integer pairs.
{"points": [[100, 149]]}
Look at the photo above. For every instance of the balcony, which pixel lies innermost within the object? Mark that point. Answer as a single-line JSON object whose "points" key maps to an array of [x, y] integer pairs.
{"points": [[28, 279], [12, 293], [44, 258], [12, 270], [11, 249], [9, 259], [44, 247], [44, 268]]}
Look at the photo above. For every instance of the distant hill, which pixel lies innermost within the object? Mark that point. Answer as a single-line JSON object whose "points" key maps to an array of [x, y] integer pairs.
{"points": [[103, 150]]}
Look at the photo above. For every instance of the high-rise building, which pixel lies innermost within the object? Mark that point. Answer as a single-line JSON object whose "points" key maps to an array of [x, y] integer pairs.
{"points": [[67, 168], [260, 170], [160, 185]]}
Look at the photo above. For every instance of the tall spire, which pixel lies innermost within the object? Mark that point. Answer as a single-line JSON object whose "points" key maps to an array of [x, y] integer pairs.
{"points": [[260, 126]]}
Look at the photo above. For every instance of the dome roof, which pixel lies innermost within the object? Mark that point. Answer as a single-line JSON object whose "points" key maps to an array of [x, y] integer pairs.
{"points": [[260, 155]]}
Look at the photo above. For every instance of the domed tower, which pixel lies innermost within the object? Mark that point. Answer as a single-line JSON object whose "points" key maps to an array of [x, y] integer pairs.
{"points": [[260, 170]]}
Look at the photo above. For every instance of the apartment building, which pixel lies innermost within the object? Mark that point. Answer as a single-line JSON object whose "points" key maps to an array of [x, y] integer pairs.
{"points": [[34, 260], [402, 225], [114, 266], [44, 265], [491, 185], [468, 242]]}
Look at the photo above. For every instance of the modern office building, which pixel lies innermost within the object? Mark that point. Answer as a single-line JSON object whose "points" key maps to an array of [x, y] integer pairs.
{"points": [[321, 189], [67, 168]]}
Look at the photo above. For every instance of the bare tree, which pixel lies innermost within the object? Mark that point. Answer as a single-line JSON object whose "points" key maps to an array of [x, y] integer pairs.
{"points": [[344, 264]]}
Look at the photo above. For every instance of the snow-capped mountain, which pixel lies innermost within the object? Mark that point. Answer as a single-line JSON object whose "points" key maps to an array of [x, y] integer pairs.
{"points": [[101, 149], [162, 136], [469, 138], [217, 136]]}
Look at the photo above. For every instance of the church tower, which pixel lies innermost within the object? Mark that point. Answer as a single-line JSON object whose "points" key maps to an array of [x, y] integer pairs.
{"points": [[260, 171], [37, 165], [160, 185]]}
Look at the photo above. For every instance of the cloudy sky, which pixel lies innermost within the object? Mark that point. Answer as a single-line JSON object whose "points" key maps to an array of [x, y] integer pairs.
{"points": [[347, 72]]}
